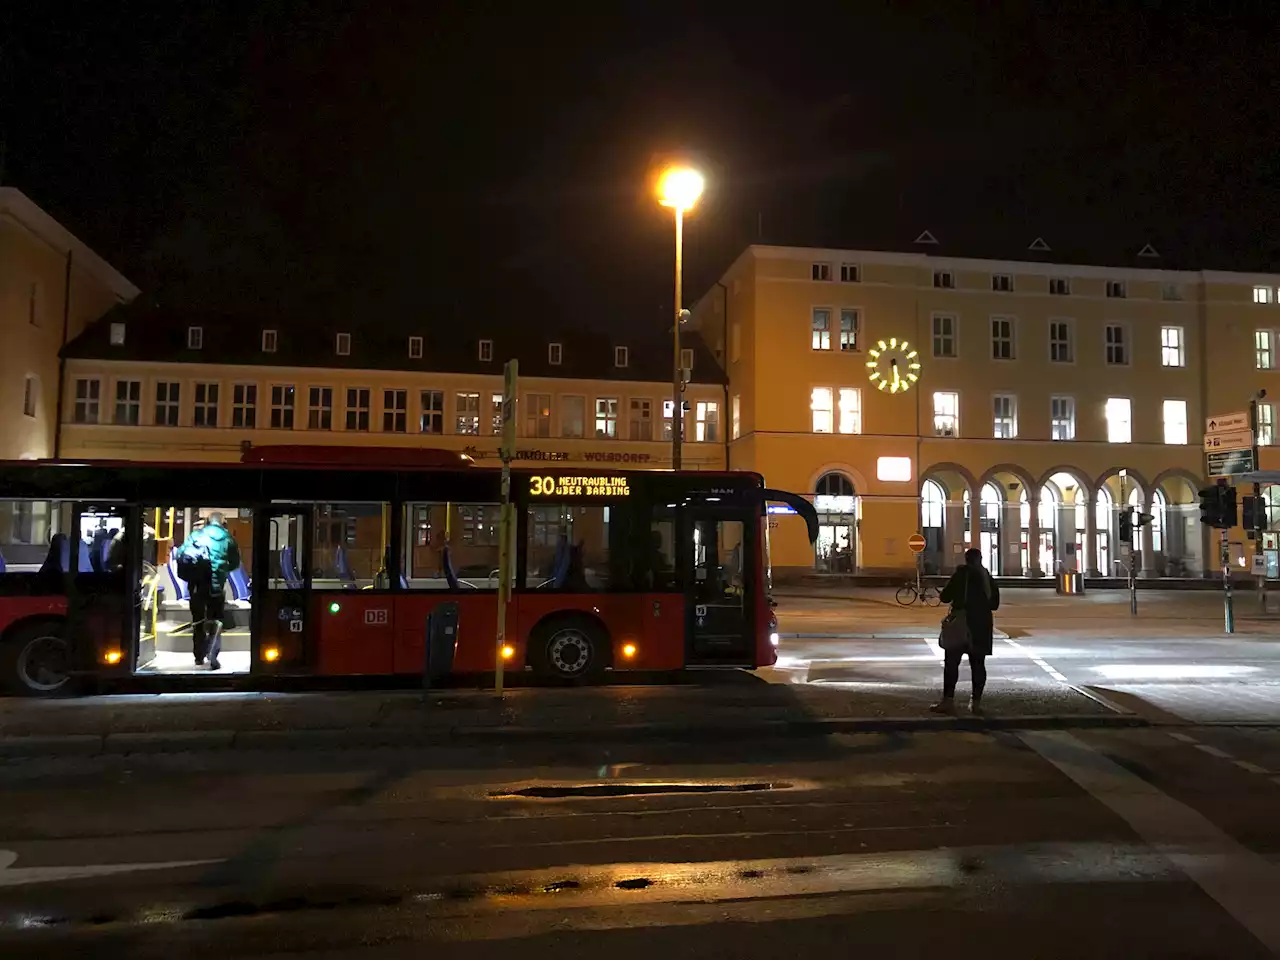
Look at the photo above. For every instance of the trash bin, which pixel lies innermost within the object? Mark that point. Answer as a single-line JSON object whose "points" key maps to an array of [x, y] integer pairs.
{"points": [[1070, 583]]}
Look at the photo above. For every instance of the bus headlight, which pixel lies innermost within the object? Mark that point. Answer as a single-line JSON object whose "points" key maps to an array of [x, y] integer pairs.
{"points": [[773, 638]]}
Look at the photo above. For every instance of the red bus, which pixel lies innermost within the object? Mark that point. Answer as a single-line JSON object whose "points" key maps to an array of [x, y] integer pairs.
{"points": [[343, 564]]}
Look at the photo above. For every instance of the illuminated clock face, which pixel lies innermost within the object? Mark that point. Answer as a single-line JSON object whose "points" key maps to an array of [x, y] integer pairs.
{"points": [[894, 365]]}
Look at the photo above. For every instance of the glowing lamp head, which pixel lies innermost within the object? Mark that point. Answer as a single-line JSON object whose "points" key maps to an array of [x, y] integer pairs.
{"points": [[679, 187], [508, 652], [629, 651], [112, 656], [271, 654]]}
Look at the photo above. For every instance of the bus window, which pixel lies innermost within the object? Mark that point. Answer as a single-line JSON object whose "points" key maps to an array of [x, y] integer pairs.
{"points": [[349, 544], [573, 548], [718, 559], [661, 559], [26, 527], [451, 546]]}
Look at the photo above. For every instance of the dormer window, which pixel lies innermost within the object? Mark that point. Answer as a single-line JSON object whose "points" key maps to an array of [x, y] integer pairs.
{"points": [[415, 348], [619, 356], [117, 334], [342, 345], [555, 353], [486, 351], [195, 338], [269, 339]]}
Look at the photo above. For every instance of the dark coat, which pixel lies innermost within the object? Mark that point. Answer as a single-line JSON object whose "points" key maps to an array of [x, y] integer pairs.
{"points": [[973, 590]]}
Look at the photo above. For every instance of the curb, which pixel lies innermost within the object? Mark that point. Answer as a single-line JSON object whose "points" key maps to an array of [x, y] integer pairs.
{"points": [[119, 744]]}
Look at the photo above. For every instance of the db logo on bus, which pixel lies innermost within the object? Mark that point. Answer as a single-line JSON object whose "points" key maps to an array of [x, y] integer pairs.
{"points": [[378, 618]]}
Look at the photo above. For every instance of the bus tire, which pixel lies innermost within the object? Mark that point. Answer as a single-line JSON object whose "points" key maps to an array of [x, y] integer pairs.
{"points": [[569, 649], [36, 660]]}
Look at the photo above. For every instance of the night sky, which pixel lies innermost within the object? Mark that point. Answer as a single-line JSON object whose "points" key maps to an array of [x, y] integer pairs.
{"points": [[433, 162]]}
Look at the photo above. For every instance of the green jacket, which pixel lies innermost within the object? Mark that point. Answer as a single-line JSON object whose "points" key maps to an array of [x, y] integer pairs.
{"points": [[224, 555]]}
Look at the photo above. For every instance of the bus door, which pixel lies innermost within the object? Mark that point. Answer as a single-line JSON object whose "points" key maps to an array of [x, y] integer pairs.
{"points": [[719, 618], [282, 605], [103, 547]]}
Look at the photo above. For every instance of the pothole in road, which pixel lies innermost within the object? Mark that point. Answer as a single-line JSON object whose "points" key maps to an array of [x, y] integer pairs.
{"points": [[568, 791]]}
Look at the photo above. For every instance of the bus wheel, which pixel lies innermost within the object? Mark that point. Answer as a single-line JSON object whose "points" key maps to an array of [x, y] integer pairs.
{"points": [[571, 649], [36, 661]]}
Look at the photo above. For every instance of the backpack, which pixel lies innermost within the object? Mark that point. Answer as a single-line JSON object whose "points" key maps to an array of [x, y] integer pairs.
{"points": [[193, 562]]}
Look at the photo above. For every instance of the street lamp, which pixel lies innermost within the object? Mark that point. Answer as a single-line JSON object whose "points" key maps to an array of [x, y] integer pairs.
{"points": [[678, 188]]}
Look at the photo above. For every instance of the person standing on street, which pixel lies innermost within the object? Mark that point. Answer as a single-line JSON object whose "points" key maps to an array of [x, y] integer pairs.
{"points": [[204, 560], [974, 595]]}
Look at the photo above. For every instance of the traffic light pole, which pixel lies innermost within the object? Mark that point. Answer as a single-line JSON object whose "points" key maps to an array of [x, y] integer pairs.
{"points": [[1228, 606], [1258, 509]]}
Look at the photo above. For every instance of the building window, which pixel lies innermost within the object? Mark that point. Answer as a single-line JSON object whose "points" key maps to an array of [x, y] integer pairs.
{"points": [[572, 415], [1266, 425], [821, 329], [606, 418], [88, 395], [168, 395], [282, 406], [395, 411], [195, 338], [944, 279], [320, 408], [415, 348], [30, 390], [848, 330], [619, 356], [1119, 420], [205, 413], [820, 271], [1002, 282], [1264, 295], [667, 407], [555, 353], [244, 405], [1004, 413], [641, 419], [944, 335], [849, 406], [432, 419], [1116, 290], [850, 273], [946, 414], [686, 360], [129, 402], [1171, 347], [1170, 291], [1117, 345], [1002, 347], [466, 413], [537, 419], [1062, 347], [269, 339], [735, 422], [117, 334], [1060, 286], [358, 409], [495, 414], [1175, 422], [1264, 355], [707, 421], [486, 351], [1062, 418], [822, 407]]}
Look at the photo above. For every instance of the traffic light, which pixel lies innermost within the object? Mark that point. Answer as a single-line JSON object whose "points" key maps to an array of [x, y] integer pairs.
{"points": [[1253, 513], [1218, 506], [1126, 525]]}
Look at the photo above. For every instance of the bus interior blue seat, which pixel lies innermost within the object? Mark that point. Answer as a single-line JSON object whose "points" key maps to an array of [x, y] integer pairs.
{"points": [[239, 584], [450, 575], [404, 582], [343, 563], [2, 563], [287, 569], [180, 590], [83, 563]]}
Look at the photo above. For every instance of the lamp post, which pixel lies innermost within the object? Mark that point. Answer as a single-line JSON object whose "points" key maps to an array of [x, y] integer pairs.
{"points": [[678, 188]]}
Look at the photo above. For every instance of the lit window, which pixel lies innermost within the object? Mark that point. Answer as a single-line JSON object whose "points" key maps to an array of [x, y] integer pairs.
{"points": [[619, 356], [537, 415], [893, 469], [735, 424], [1002, 338], [1062, 418], [269, 339], [395, 411], [820, 404], [495, 413], [1002, 282], [850, 410], [1119, 420], [821, 325], [944, 279], [1061, 342], [555, 353], [667, 407], [1266, 427], [1264, 355], [342, 345], [1175, 422], [466, 413], [1004, 409], [848, 330], [944, 335], [117, 334], [1117, 345], [415, 348], [358, 409], [820, 271], [850, 273], [1263, 295], [946, 414], [707, 421], [486, 351], [195, 338], [606, 418], [1171, 347], [1116, 290], [1060, 286]]}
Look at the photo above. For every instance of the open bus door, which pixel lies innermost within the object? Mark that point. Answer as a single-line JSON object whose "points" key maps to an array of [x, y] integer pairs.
{"points": [[720, 616], [104, 602], [282, 570]]}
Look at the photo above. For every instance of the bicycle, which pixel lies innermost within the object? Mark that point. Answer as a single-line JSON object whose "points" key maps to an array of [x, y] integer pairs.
{"points": [[918, 592]]}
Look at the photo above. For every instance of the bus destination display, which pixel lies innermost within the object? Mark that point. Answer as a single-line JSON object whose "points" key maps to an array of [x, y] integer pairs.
{"points": [[576, 486]]}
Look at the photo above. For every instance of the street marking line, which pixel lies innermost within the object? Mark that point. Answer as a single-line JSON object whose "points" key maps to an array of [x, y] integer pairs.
{"points": [[1183, 737], [1214, 751], [1242, 882], [1251, 767], [11, 876]]}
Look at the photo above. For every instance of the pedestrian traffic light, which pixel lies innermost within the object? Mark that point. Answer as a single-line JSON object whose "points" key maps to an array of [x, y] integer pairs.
{"points": [[1126, 525], [1218, 506], [1253, 513]]}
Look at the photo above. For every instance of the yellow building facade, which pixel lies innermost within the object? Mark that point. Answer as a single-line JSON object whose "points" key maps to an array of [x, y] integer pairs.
{"points": [[1017, 406]]}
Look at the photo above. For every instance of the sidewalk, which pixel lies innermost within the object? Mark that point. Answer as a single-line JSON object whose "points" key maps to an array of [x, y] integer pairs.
{"points": [[736, 707]]}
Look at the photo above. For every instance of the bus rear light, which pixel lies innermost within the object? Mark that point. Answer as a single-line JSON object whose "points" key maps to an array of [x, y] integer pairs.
{"points": [[629, 651], [271, 654], [112, 656], [508, 652]]}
